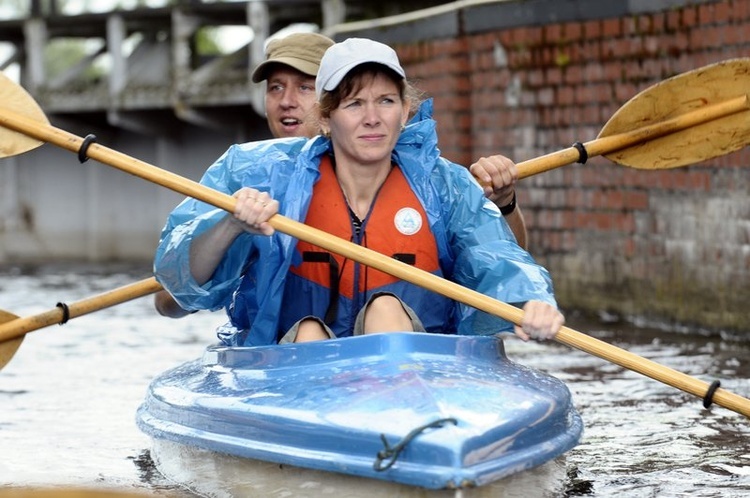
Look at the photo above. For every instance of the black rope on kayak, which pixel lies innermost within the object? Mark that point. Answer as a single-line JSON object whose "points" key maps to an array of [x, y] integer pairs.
{"points": [[87, 141], [709, 397], [583, 154], [66, 313], [391, 453]]}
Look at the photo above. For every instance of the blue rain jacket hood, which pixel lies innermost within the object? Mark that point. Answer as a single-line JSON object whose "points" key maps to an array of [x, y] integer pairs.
{"points": [[476, 247]]}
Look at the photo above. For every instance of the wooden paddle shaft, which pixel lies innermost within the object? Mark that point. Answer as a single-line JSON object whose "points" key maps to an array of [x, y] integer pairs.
{"points": [[656, 371], [20, 326], [375, 260], [614, 143]]}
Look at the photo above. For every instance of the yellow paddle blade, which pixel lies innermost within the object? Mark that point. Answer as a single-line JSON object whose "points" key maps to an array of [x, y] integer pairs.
{"points": [[16, 99], [8, 348], [677, 96]]}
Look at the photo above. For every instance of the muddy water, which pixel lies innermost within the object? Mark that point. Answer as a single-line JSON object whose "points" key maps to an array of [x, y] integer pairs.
{"points": [[69, 395]]}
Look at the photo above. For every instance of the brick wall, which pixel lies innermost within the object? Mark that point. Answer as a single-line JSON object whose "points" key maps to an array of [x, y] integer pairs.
{"points": [[526, 78]]}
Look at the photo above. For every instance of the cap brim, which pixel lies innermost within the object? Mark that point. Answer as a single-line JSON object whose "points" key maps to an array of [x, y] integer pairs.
{"points": [[335, 79], [261, 72]]}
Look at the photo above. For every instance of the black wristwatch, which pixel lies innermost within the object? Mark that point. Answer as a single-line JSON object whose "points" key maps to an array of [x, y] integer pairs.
{"points": [[510, 207]]}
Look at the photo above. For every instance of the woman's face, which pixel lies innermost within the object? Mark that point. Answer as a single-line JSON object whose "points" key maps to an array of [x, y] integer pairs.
{"points": [[366, 124]]}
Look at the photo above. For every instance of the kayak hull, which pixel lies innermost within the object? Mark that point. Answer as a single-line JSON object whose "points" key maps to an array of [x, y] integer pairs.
{"points": [[219, 475], [425, 410]]}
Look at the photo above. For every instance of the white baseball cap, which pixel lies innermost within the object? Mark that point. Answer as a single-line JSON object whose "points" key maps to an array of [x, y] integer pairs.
{"points": [[342, 57]]}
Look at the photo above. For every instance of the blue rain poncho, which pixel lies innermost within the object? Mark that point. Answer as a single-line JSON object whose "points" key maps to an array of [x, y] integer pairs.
{"points": [[476, 247]]}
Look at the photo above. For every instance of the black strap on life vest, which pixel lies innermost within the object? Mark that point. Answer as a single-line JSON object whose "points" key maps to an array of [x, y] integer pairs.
{"points": [[333, 276], [333, 302], [405, 257]]}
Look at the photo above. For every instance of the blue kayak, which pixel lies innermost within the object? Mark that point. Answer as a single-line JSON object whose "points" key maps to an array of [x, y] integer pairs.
{"points": [[426, 410]]}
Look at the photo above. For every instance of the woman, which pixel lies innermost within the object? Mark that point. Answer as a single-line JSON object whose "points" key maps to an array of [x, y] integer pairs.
{"points": [[371, 180]]}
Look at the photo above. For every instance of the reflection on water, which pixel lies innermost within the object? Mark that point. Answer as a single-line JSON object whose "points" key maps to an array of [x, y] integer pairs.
{"points": [[644, 438], [69, 396]]}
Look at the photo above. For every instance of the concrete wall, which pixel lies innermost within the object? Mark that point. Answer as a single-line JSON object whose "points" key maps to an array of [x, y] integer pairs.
{"points": [[54, 207], [525, 78]]}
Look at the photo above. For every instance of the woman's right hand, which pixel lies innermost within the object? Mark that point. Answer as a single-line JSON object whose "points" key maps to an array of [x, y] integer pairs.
{"points": [[541, 321], [253, 210]]}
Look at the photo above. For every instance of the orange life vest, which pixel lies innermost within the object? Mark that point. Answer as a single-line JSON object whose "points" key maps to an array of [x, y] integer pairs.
{"points": [[396, 226]]}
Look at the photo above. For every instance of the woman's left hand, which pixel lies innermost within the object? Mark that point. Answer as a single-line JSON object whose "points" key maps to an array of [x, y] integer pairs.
{"points": [[541, 321], [498, 176]]}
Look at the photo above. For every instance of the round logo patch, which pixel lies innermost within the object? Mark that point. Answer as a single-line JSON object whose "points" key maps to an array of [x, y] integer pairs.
{"points": [[408, 221]]}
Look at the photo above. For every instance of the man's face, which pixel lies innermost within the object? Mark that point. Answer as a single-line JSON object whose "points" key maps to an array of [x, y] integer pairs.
{"points": [[290, 97]]}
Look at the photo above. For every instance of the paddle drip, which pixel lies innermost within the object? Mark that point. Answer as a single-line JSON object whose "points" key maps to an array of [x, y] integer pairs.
{"points": [[709, 397], [82, 152], [65, 313], [583, 155]]}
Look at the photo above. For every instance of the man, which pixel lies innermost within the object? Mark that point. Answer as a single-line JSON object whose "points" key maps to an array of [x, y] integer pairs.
{"points": [[291, 64], [289, 71]]}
